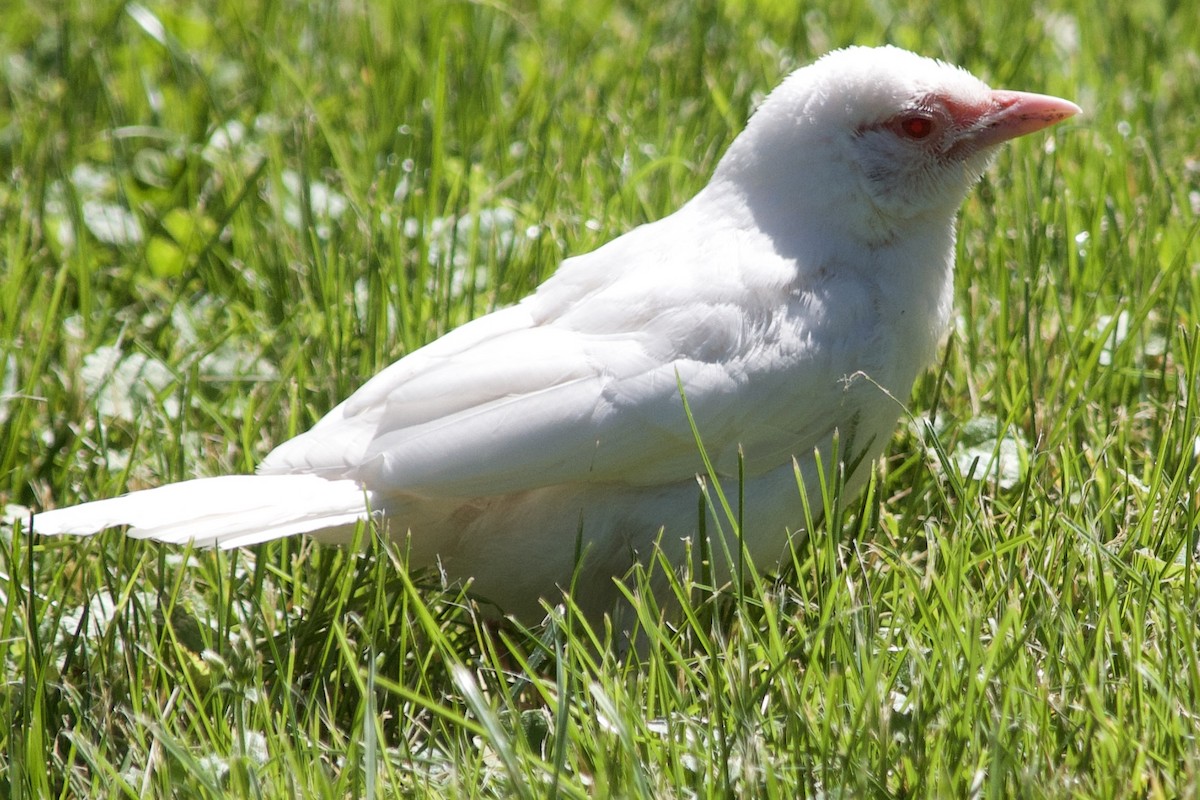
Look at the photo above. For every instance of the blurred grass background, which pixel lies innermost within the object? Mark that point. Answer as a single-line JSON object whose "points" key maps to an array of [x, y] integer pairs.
{"points": [[218, 219]]}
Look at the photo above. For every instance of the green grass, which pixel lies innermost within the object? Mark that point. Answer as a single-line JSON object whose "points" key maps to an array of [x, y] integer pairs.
{"points": [[217, 219]]}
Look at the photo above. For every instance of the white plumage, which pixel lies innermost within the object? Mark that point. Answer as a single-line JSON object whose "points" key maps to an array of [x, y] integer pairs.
{"points": [[797, 295]]}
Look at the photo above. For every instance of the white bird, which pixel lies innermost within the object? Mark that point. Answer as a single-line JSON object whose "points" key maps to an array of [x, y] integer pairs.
{"points": [[793, 300]]}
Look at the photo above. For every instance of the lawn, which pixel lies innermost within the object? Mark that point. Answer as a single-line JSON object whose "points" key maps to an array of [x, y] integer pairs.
{"points": [[218, 219]]}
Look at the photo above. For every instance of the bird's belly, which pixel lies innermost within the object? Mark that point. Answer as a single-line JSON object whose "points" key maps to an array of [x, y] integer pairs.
{"points": [[518, 548]]}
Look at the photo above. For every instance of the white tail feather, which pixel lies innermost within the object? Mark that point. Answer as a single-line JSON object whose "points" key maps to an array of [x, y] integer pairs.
{"points": [[226, 512]]}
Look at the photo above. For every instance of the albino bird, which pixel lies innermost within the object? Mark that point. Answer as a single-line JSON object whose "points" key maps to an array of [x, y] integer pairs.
{"points": [[794, 300]]}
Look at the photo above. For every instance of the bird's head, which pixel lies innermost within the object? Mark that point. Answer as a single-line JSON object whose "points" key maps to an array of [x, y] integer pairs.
{"points": [[870, 140]]}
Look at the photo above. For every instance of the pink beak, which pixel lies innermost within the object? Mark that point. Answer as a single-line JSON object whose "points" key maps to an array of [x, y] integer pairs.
{"points": [[1014, 114]]}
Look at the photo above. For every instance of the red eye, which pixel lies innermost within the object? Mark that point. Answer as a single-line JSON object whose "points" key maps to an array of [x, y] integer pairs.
{"points": [[917, 126]]}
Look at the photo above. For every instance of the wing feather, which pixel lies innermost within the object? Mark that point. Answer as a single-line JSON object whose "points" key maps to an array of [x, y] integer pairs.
{"points": [[541, 394]]}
